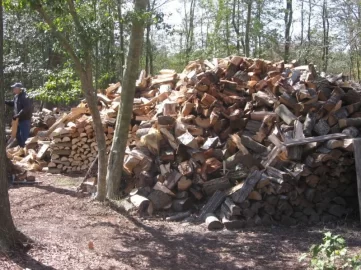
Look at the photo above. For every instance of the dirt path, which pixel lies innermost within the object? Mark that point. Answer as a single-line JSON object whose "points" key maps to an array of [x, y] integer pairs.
{"points": [[63, 222]]}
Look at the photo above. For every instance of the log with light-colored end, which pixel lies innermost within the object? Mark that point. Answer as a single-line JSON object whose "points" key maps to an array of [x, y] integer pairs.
{"points": [[213, 222]]}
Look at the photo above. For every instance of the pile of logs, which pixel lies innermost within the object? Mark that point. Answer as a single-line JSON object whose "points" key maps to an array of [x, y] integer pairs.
{"points": [[42, 120], [257, 142], [284, 127]]}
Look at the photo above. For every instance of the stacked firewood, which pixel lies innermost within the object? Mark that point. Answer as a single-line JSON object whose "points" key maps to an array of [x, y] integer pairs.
{"points": [[258, 142], [73, 147], [204, 131]]}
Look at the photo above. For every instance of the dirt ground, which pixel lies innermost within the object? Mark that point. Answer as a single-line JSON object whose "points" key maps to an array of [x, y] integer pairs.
{"points": [[64, 226]]}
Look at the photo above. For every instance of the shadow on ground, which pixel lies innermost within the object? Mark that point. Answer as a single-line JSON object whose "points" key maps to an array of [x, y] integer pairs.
{"points": [[160, 248]]}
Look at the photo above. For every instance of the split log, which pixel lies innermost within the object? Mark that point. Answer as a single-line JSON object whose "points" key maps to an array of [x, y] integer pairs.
{"points": [[212, 204], [240, 195], [349, 122], [232, 224], [265, 128], [159, 199], [144, 205], [170, 109], [234, 210], [351, 132], [211, 165], [182, 204], [321, 127], [253, 145], [309, 124], [210, 187], [172, 179], [188, 140], [184, 184], [179, 216], [42, 151], [287, 116], [314, 139]]}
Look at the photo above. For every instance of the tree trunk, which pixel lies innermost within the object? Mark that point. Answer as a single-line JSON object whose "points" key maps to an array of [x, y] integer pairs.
{"points": [[228, 34], [189, 28], [148, 51], [326, 26], [88, 90], [288, 23], [84, 71], [96, 51], [235, 24], [7, 227], [248, 25], [121, 37], [116, 158], [302, 21]]}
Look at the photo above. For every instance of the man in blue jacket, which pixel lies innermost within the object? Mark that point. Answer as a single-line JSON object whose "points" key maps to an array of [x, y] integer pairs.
{"points": [[23, 111]]}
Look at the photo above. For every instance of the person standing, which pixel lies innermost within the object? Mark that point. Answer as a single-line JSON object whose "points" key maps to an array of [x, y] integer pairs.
{"points": [[23, 111]]}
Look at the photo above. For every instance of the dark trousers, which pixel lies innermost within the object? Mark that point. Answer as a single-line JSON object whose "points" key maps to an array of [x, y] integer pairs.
{"points": [[23, 132]]}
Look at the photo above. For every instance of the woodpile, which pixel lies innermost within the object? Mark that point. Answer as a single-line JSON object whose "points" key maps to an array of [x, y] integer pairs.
{"points": [[43, 120], [257, 142]]}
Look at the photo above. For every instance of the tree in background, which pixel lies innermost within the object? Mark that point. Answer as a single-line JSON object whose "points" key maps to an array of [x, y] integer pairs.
{"points": [[288, 24]]}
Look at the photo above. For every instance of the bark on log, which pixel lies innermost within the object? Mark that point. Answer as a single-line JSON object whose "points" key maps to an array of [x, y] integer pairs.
{"points": [[212, 186], [212, 204], [240, 195]]}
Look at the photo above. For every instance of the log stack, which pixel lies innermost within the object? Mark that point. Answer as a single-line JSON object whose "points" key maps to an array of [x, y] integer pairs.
{"points": [[43, 120], [258, 142]]}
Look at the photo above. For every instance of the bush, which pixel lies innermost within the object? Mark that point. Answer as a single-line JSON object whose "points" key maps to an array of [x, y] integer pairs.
{"points": [[332, 254]]}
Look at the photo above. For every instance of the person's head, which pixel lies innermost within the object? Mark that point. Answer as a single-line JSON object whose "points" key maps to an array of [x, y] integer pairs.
{"points": [[17, 88]]}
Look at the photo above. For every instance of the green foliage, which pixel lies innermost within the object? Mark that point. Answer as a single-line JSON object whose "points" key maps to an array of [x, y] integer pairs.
{"points": [[332, 254], [62, 86], [106, 79]]}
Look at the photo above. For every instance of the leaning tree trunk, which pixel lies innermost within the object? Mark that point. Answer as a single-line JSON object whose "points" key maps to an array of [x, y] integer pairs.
{"points": [[84, 71], [7, 227], [116, 157]]}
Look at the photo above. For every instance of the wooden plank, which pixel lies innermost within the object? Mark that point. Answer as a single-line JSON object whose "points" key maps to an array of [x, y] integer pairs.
{"points": [[314, 139], [56, 124], [240, 195], [357, 150], [42, 151], [14, 127]]}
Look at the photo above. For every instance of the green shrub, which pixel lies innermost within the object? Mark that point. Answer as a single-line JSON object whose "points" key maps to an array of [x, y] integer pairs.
{"points": [[332, 254]]}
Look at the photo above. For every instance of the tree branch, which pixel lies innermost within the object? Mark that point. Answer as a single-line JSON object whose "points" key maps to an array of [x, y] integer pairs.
{"points": [[78, 25], [60, 36], [83, 39]]}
